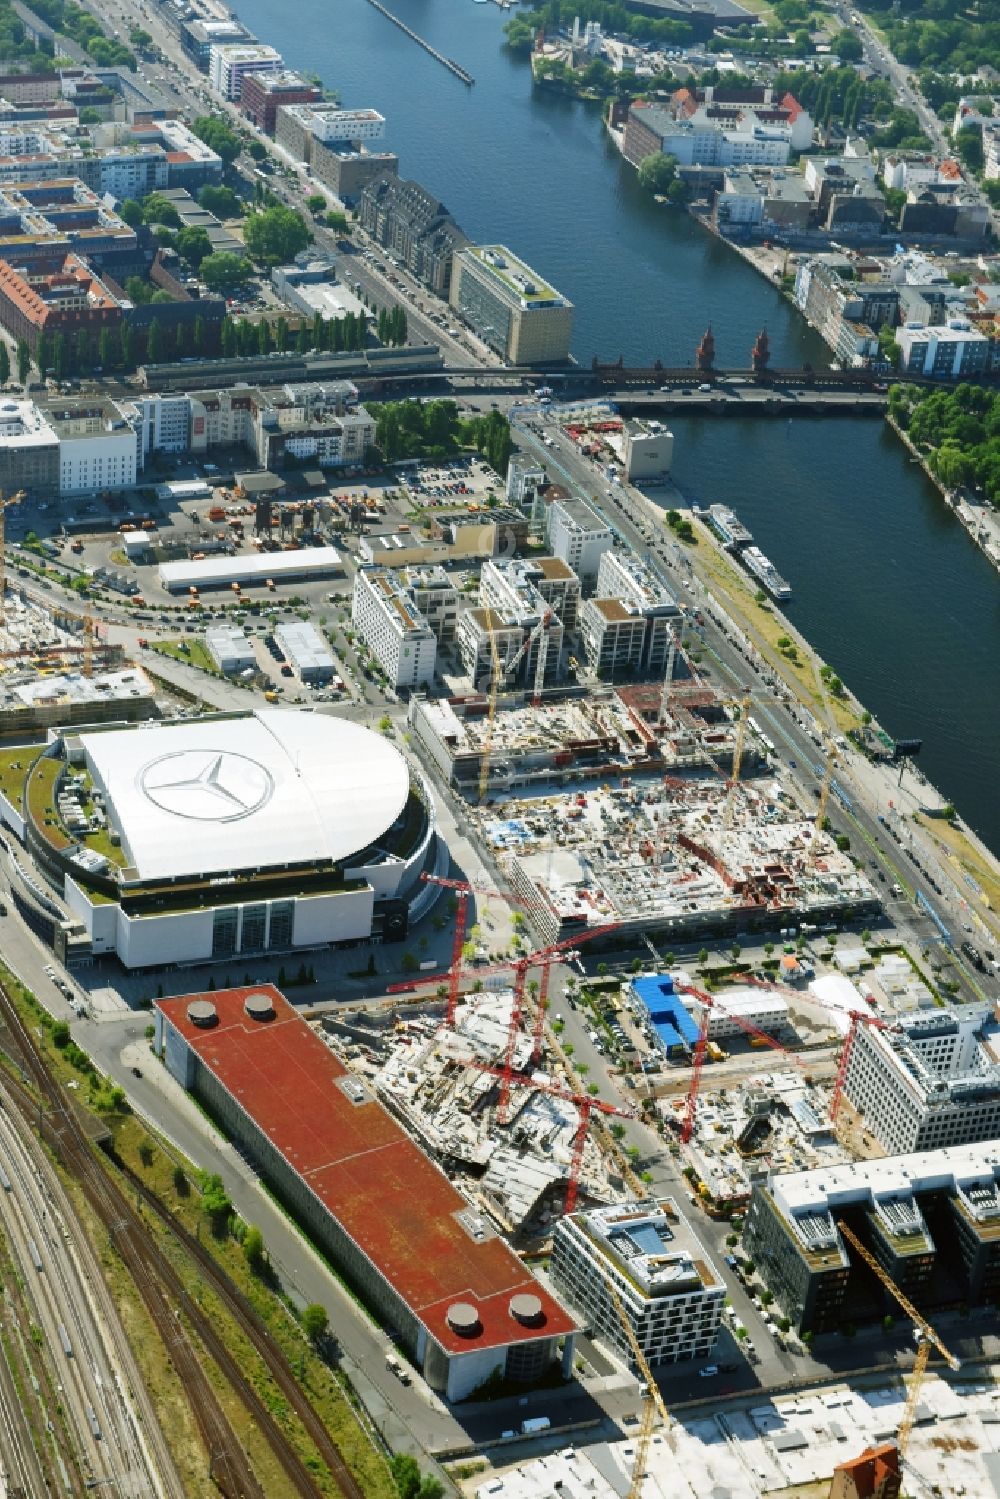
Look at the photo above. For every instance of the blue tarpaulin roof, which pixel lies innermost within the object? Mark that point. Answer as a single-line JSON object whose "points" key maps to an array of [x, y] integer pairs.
{"points": [[670, 1017]]}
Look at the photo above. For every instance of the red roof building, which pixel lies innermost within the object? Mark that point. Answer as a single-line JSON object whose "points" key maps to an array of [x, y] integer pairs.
{"points": [[873, 1475], [416, 1251]]}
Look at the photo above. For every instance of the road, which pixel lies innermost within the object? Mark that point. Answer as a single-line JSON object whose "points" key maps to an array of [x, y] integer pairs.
{"points": [[94, 1409]]}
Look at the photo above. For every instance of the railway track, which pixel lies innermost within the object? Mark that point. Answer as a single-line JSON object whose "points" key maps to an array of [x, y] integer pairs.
{"points": [[155, 1278], [258, 1334]]}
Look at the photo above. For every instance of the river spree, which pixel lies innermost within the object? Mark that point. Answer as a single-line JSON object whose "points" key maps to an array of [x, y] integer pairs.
{"points": [[887, 586]]}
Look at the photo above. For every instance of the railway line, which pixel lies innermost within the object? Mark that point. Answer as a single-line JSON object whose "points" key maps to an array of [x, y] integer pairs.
{"points": [[172, 1307], [99, 1436]]}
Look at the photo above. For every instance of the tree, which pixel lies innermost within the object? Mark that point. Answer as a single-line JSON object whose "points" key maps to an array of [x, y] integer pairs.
{"points": [[131, 212], [154, 342], [406, 1475], [221, 201], [217, 136], [223, 271], [276, 235], [199, 335], [23, 362], [215, 1201], [887, 345], [43, 352], [4, 363], [316, 203], [81, 348], [127, 342], [60, 1034], [657, 172], [59, 355], [253, 1248], [315, 1321], [156, 209], [256, 150], [847, 46], [106, 351], [193, 244], [264, 336]]}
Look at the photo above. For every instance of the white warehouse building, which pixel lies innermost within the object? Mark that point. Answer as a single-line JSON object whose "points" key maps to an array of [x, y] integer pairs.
{"points": [[388, 620], [669, 1291]]}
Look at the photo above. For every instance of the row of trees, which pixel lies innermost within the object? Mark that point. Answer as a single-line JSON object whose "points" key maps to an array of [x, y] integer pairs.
{"points": [[243, 338], [391, 326], [558, 15], [59, 355]]}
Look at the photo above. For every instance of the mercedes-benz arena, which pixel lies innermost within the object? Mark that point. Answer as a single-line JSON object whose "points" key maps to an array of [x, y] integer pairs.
{"points": [[418, 1254], [202, 839]]}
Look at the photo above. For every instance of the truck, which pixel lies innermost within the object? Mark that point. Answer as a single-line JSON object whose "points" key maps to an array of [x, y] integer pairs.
{"points": [[216, 513], [532, 1425]]}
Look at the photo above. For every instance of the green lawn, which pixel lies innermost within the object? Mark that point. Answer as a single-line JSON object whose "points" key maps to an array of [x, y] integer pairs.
{"points": [[14, 765], [191, 652]]}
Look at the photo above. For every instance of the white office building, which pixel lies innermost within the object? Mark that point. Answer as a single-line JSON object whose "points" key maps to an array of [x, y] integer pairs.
{"points": [[94, 456], [578, 535], [759, 1008], [389, 622], [930, 1080], [230, 63], [163, 423], [668, 1289]]}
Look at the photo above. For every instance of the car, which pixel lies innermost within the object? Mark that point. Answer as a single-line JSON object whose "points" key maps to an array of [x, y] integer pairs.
{"points": [[709, 1371]]}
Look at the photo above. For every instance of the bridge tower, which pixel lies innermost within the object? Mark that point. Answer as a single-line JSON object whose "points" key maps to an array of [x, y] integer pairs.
{"points": [[760, 354], [705, 354]]}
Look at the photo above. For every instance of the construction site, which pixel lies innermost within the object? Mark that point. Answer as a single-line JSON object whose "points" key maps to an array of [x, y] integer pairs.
{"points": [[678, 856], [562, 737], [518, 1161]]}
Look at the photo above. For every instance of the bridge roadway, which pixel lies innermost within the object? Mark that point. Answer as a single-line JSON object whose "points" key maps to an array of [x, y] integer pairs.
{"points": [[727, 395]]}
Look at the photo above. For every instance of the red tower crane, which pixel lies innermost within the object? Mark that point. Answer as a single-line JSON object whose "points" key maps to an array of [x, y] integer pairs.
{"points": [[709, 1003], [858, 1017], [583, 1102], [462, 890]]}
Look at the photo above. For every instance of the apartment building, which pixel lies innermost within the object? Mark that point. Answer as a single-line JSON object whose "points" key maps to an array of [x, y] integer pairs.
{"points": [[387, 618], [415, 227], [57, 294], [230, 62], [665, 1283], [578, 536], [510, 307], [930, 1080], [931, 1218]]}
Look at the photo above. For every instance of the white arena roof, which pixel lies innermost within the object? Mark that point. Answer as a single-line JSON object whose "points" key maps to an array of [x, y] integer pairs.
{"points": [[218, 572], [275, 787]]}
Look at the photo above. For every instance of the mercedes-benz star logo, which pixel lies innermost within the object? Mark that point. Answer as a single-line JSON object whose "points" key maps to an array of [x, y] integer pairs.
{"points": [[206, 785]]}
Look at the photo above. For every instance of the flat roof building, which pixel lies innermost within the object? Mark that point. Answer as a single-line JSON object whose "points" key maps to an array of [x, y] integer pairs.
{"points": [[421, 1258], [931, 1219], [263, 94], [578, 535], [668, 1289], [630, 622], [510, 307], [230, 62], [221, 572], [931, 1079], [307, 651], [230, 649], [391, 625]]}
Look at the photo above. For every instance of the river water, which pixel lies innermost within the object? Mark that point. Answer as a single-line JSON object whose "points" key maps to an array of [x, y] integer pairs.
{"points": [[887, 586]]}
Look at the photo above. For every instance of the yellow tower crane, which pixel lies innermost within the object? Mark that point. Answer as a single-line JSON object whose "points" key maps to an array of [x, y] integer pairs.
{"points": [[738, 743], [928, 1337], [5, 504], [491, 711], [652, 1400]]}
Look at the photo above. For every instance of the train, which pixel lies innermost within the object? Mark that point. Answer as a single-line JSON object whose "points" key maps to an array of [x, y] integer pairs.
{"points": [[36, 1258], [93, 1423], [67, 1346]]}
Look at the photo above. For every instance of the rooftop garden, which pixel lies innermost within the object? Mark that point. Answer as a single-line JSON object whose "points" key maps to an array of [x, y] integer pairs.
{"points": [[14, 765]]}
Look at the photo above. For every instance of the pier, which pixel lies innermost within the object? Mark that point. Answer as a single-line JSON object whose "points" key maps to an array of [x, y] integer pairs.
{"points": [[446, 62]]}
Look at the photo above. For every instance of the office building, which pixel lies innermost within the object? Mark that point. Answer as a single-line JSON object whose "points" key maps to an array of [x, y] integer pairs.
{"points": [[510, 307], [930, 1080], [507, 587], [29, 449], [424, 1261], [623, 578], [415, 228], [578, 535], [473, 642], [951, 352], [40, 219], [437, 599], [263, 94], [98, 448], [667, 1287], [931, 1219], [307, 651], [230, 62], [388, 620], [706, 138], [198, 37], [647, 449], [337, 144], [527, 586], [525, 478]]}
